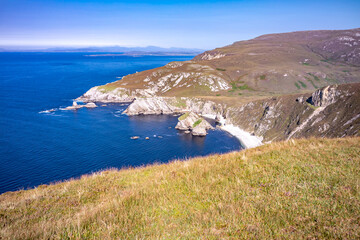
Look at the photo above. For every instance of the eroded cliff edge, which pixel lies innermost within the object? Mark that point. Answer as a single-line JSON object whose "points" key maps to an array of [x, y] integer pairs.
{"points": [[333, 111]]}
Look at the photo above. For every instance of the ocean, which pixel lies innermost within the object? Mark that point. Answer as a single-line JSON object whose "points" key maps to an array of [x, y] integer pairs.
{"points": [[40, 148]]}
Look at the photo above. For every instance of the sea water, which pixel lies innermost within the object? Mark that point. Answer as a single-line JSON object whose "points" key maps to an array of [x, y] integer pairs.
{"points": [[39, 148]]}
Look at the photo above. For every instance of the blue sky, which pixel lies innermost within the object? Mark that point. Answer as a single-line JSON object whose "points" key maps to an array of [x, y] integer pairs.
{"points": [[193, 24]]}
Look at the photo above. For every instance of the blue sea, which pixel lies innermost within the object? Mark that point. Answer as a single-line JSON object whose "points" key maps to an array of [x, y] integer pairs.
{"points": [[39, 148]]}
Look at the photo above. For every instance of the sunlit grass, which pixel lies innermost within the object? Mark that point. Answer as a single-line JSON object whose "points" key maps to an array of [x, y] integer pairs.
{"points": [[298, 189]]}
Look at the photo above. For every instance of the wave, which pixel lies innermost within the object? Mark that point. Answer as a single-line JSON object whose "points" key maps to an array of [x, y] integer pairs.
{"points": [[49, 111]]}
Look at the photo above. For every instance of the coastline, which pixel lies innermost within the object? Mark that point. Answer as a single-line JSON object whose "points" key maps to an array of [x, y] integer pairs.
{"points": [[246, 139]]}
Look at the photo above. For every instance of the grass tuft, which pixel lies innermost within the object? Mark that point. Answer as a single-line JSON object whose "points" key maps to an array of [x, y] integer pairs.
{"points": [[197, 122], [184, 116], [302, 84]]}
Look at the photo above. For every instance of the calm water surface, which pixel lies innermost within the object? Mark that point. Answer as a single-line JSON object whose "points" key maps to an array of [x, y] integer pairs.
{"points": [[38, 148]]}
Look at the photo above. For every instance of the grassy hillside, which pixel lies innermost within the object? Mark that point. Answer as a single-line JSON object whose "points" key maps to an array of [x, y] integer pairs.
{"points": [[268, 65], [287, 190]]}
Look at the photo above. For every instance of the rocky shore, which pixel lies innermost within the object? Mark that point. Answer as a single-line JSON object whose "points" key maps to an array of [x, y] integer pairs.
{"points": [[76, 106], [332, 111], [191, 122]]}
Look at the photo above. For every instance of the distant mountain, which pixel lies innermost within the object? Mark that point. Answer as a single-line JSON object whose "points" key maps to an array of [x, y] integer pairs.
{"points": [[154, 50]]}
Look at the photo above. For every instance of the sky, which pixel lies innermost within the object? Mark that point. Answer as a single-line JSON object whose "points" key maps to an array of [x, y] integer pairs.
{"points": [[190, 24]]}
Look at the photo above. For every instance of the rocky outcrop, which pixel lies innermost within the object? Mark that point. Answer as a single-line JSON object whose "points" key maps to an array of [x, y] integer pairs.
{"points": [[324, 97], [173, 105], [332, 111], [154, 105], [76, 106], [321, 114], [192, 122], [98, 94]]}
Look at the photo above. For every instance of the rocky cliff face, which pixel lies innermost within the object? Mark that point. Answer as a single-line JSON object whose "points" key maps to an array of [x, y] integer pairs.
{"points": [[333, 111], [192, 122]]}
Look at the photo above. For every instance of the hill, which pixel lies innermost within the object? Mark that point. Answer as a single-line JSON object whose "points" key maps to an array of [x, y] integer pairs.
{"points": [[299, 189], [262, 86], [265, 66]]}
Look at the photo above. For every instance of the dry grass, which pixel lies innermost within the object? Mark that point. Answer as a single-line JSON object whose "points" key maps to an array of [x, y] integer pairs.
{"points": [[290, 190]]}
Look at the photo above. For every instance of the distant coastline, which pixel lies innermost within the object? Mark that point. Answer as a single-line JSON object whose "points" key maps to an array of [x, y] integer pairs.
{"points": [[109, 50], [141, 54]]}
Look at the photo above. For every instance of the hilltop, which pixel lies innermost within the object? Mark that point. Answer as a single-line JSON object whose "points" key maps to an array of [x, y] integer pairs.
{"points": [[299, 189], [268, 65]]}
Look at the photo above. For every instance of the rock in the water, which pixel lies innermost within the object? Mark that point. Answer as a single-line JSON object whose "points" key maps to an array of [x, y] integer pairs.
{"points": [[199, 131], [195, 123], [76, 106], [90, 105]]}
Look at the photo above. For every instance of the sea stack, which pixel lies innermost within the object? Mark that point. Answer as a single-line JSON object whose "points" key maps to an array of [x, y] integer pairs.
{"points": [[192, 122]]}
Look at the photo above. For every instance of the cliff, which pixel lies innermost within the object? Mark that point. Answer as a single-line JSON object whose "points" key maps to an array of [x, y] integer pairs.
{"points": [[332, 111], [271, 88]]}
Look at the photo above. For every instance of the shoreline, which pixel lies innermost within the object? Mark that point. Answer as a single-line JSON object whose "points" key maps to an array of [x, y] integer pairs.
{"points": [[246, 139]]}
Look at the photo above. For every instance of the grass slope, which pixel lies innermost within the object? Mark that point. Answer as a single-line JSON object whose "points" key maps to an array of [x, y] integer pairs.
{"points": [[274, 64], [288, 190]]}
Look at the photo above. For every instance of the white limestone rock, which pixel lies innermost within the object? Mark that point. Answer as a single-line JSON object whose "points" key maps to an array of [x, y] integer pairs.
{"points": [[153, 105], [97, 94], [195, 123]]}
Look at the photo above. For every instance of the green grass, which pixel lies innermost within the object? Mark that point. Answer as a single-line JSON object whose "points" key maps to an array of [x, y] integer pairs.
{"points": [[234, 87], [312, 83], [197, 122], [180, 103], [297, 85], [107, 88], [305, 64], [314, 76], [221, 69], [184, 116], [302, 84], [330, 80], [245, 87], [302, 189], [262, 77], [312, 106]]}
